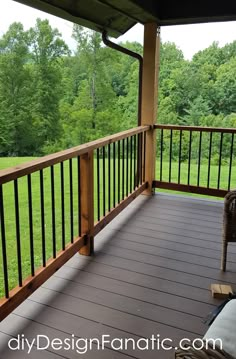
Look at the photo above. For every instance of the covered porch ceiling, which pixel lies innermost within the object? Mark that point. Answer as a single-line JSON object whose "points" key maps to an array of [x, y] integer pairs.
{"points": [[118, 16]]}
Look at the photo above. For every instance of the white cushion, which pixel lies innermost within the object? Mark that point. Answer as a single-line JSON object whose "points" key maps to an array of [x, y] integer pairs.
{"points": [[224, 328]]}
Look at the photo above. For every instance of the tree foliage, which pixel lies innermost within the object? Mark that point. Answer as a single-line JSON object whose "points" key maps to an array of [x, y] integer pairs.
{"points": [[51, 99]]}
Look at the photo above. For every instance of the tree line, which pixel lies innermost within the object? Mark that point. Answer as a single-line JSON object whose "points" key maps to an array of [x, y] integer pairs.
{"points": [[52, 99]]}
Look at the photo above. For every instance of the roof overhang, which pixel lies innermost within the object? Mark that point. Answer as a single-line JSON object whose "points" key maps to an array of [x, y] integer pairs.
{"points": [[118, 16]]}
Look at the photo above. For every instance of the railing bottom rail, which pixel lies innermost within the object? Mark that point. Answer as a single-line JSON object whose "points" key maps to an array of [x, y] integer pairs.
{"points": [[30, 284], [190, 189]]}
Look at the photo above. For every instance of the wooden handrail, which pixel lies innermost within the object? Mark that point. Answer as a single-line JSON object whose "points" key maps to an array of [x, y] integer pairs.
{"points": [[87, 229], [195, 128], [13, 173], [178, 185]]}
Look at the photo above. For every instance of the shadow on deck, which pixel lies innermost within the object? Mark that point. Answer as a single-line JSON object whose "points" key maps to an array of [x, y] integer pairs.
{"points": [[150, 275]]}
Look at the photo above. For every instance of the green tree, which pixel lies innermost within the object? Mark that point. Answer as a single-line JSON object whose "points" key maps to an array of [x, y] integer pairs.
{"points": [[225, 87], [94, 103], [15, 117], [47, 49]]}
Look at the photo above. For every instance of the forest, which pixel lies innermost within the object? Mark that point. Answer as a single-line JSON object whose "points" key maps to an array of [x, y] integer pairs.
{"points": [[52, 98]]}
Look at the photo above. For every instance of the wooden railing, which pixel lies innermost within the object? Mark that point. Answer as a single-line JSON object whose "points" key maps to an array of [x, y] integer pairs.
{"points": [[195, 159], [52, 207]]}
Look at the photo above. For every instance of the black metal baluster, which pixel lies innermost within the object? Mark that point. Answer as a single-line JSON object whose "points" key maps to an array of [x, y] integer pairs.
{"points": [[170, 158], [209, 161], [161, 155], [114, 174], [4, 248], [79, 196], [127, 166], [231, 160], [135, 149], [42, 218], [104, 180], [118, 172], [180, 154], [220, 158], [141, 159], [54, 250], [199, 159], [98, 185], [189, 155], [109, 177], [71, 201], [31, 230], [131, 165], [123, 169], [62, 207], [18, 243], [144, 156]]}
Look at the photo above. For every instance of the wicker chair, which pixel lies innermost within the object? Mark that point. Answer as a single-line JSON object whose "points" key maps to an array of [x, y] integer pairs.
{"points": [[209, 353], [229, 225]]}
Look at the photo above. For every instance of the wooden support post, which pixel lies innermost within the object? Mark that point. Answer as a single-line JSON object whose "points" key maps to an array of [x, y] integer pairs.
{"points": [[149, 97], [87, 202]]}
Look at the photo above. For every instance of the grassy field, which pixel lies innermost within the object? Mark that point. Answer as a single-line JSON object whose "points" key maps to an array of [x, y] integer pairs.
{"points": [[23, 205]]}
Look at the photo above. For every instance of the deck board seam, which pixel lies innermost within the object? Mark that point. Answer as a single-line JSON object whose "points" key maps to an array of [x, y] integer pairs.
{"points": [[155, 230], [99, 322], [154, 265], [119, 310], [166, 280], [161, 256], [127, 296], [144, 215], [163, 239], [180, 229], [172, 250]]}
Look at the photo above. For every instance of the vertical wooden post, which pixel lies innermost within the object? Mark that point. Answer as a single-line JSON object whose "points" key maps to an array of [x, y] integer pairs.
{"points": [[87, 202], [151, 52]]}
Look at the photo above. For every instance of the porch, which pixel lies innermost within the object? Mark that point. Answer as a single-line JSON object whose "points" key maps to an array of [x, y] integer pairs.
{"points": [[150, 275]]}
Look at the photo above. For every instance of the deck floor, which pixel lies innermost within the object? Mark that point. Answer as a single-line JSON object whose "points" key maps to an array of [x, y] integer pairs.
{"points": [[150, 275]]}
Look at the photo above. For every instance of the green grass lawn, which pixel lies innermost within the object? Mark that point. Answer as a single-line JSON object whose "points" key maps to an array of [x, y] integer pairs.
{"points": [[9, 207]]}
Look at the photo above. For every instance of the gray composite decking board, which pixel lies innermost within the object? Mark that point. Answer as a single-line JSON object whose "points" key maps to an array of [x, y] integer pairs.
{"points": [[151, 242], [168, 227], [159, 272], [189, 201], [163, 271], [130, 290], [164, 252], [181, 270], [135, 234], [150, 274], [133, 273], [193, 212], [168, 254], [166, 219], [194, 206], [109, 317], [165, 233], [177, 211], [168, 222], [175, 219], [124, 304], [180, 215], [168, 230]]}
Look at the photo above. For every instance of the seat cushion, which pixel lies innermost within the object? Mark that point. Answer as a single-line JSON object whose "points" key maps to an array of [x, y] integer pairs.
{"points": [[224, 328]]}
